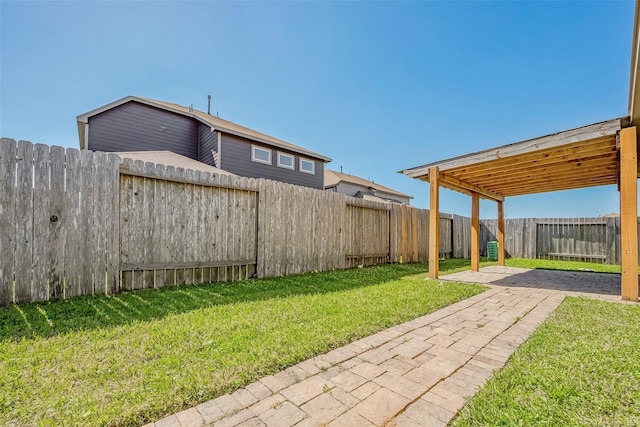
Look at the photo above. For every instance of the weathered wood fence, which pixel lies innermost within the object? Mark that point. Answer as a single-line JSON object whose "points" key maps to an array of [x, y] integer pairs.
{"points": [[58, 237], [584, 239], [81, 223]]}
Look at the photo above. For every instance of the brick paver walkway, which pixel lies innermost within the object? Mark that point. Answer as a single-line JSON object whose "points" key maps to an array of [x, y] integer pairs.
{"points": [[418, 373]]}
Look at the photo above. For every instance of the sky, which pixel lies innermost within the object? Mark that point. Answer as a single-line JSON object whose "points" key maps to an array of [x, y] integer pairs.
{"points": [[376, 86]]}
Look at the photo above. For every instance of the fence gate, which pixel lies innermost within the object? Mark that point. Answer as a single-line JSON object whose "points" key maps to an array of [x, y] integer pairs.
{"points": [[182, 227]]}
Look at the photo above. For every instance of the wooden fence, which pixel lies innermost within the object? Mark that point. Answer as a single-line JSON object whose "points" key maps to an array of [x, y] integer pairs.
{"points": [[301, 229], [57, 235], [81, 223], [409, 234], [586, 239], [183, 227]]}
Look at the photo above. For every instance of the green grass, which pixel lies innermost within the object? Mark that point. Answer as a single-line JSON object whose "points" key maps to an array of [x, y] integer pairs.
{"points": [[136, 357], [561, 265], [580, 368]]}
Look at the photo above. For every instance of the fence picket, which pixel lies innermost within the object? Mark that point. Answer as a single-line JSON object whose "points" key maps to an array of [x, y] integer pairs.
{"points": [[112, 200], [58, 211], [172, 189], [148, 213], [73, 236], [138, 231], [87, 225], [100, 224], [23, 222], [180, 216], [126, 225], [42, 222], [7, 217]]}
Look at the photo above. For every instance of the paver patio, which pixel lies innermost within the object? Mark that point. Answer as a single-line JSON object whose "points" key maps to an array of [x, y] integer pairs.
{"points": [[418, 373]]}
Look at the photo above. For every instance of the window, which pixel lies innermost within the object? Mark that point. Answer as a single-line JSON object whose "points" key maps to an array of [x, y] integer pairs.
{"points": [[307, 166], [285, 161], [260, 155]]}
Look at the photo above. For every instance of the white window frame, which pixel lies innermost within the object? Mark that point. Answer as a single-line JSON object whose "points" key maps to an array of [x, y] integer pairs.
{"points": [[257, 160], [282, 165], [313, 166]]}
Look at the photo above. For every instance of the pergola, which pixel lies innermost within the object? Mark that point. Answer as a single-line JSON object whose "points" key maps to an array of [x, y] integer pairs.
{"points": [[598, 154]]}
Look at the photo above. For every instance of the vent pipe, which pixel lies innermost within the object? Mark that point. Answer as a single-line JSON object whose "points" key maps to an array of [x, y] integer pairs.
{"points": [[209, 105]]}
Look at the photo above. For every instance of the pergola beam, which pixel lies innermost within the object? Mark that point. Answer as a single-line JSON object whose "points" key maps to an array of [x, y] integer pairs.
{"points": [[554, 156], [552, 182], [568, 185], [545, 186], [592, 169], [455, 183]]}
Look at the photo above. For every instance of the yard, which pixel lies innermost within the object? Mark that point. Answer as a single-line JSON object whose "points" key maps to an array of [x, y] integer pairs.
{"points": [[580, 368], [135, 357]]}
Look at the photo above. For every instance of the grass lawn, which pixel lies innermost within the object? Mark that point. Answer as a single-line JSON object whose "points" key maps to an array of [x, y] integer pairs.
{"points": [[580, 368], [560, 265], [136, 357]]}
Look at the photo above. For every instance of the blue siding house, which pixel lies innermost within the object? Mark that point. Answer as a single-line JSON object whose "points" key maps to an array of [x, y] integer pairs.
{"points": [[141, 124]]}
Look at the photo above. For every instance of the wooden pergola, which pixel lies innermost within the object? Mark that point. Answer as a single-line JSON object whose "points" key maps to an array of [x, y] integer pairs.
{"points": [[599, 154]]}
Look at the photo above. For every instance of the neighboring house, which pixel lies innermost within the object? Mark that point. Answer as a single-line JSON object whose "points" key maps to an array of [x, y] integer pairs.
{"points": [[140, 124], [361, 188]]}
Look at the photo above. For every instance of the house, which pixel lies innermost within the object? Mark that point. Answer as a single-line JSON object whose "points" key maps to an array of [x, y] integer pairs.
{"points": [[361, 188], [141, 124]]}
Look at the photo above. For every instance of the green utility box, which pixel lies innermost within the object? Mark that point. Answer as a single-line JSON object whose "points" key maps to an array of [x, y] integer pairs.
{"points": [[492, 251]]}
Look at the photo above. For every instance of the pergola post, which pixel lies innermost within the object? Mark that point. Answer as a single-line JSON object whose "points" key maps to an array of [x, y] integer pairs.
{"points": [[475, 231], [629, 212], [500, 232], [434, 223]]}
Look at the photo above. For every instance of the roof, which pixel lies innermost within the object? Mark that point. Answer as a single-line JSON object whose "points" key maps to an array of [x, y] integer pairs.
{"points": [[333, 178], [371, 198], [575, 158], [169, 158], [213, 121]]}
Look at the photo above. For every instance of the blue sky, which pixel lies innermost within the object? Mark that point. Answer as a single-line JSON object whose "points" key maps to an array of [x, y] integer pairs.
{"points": [[377, 86]]}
